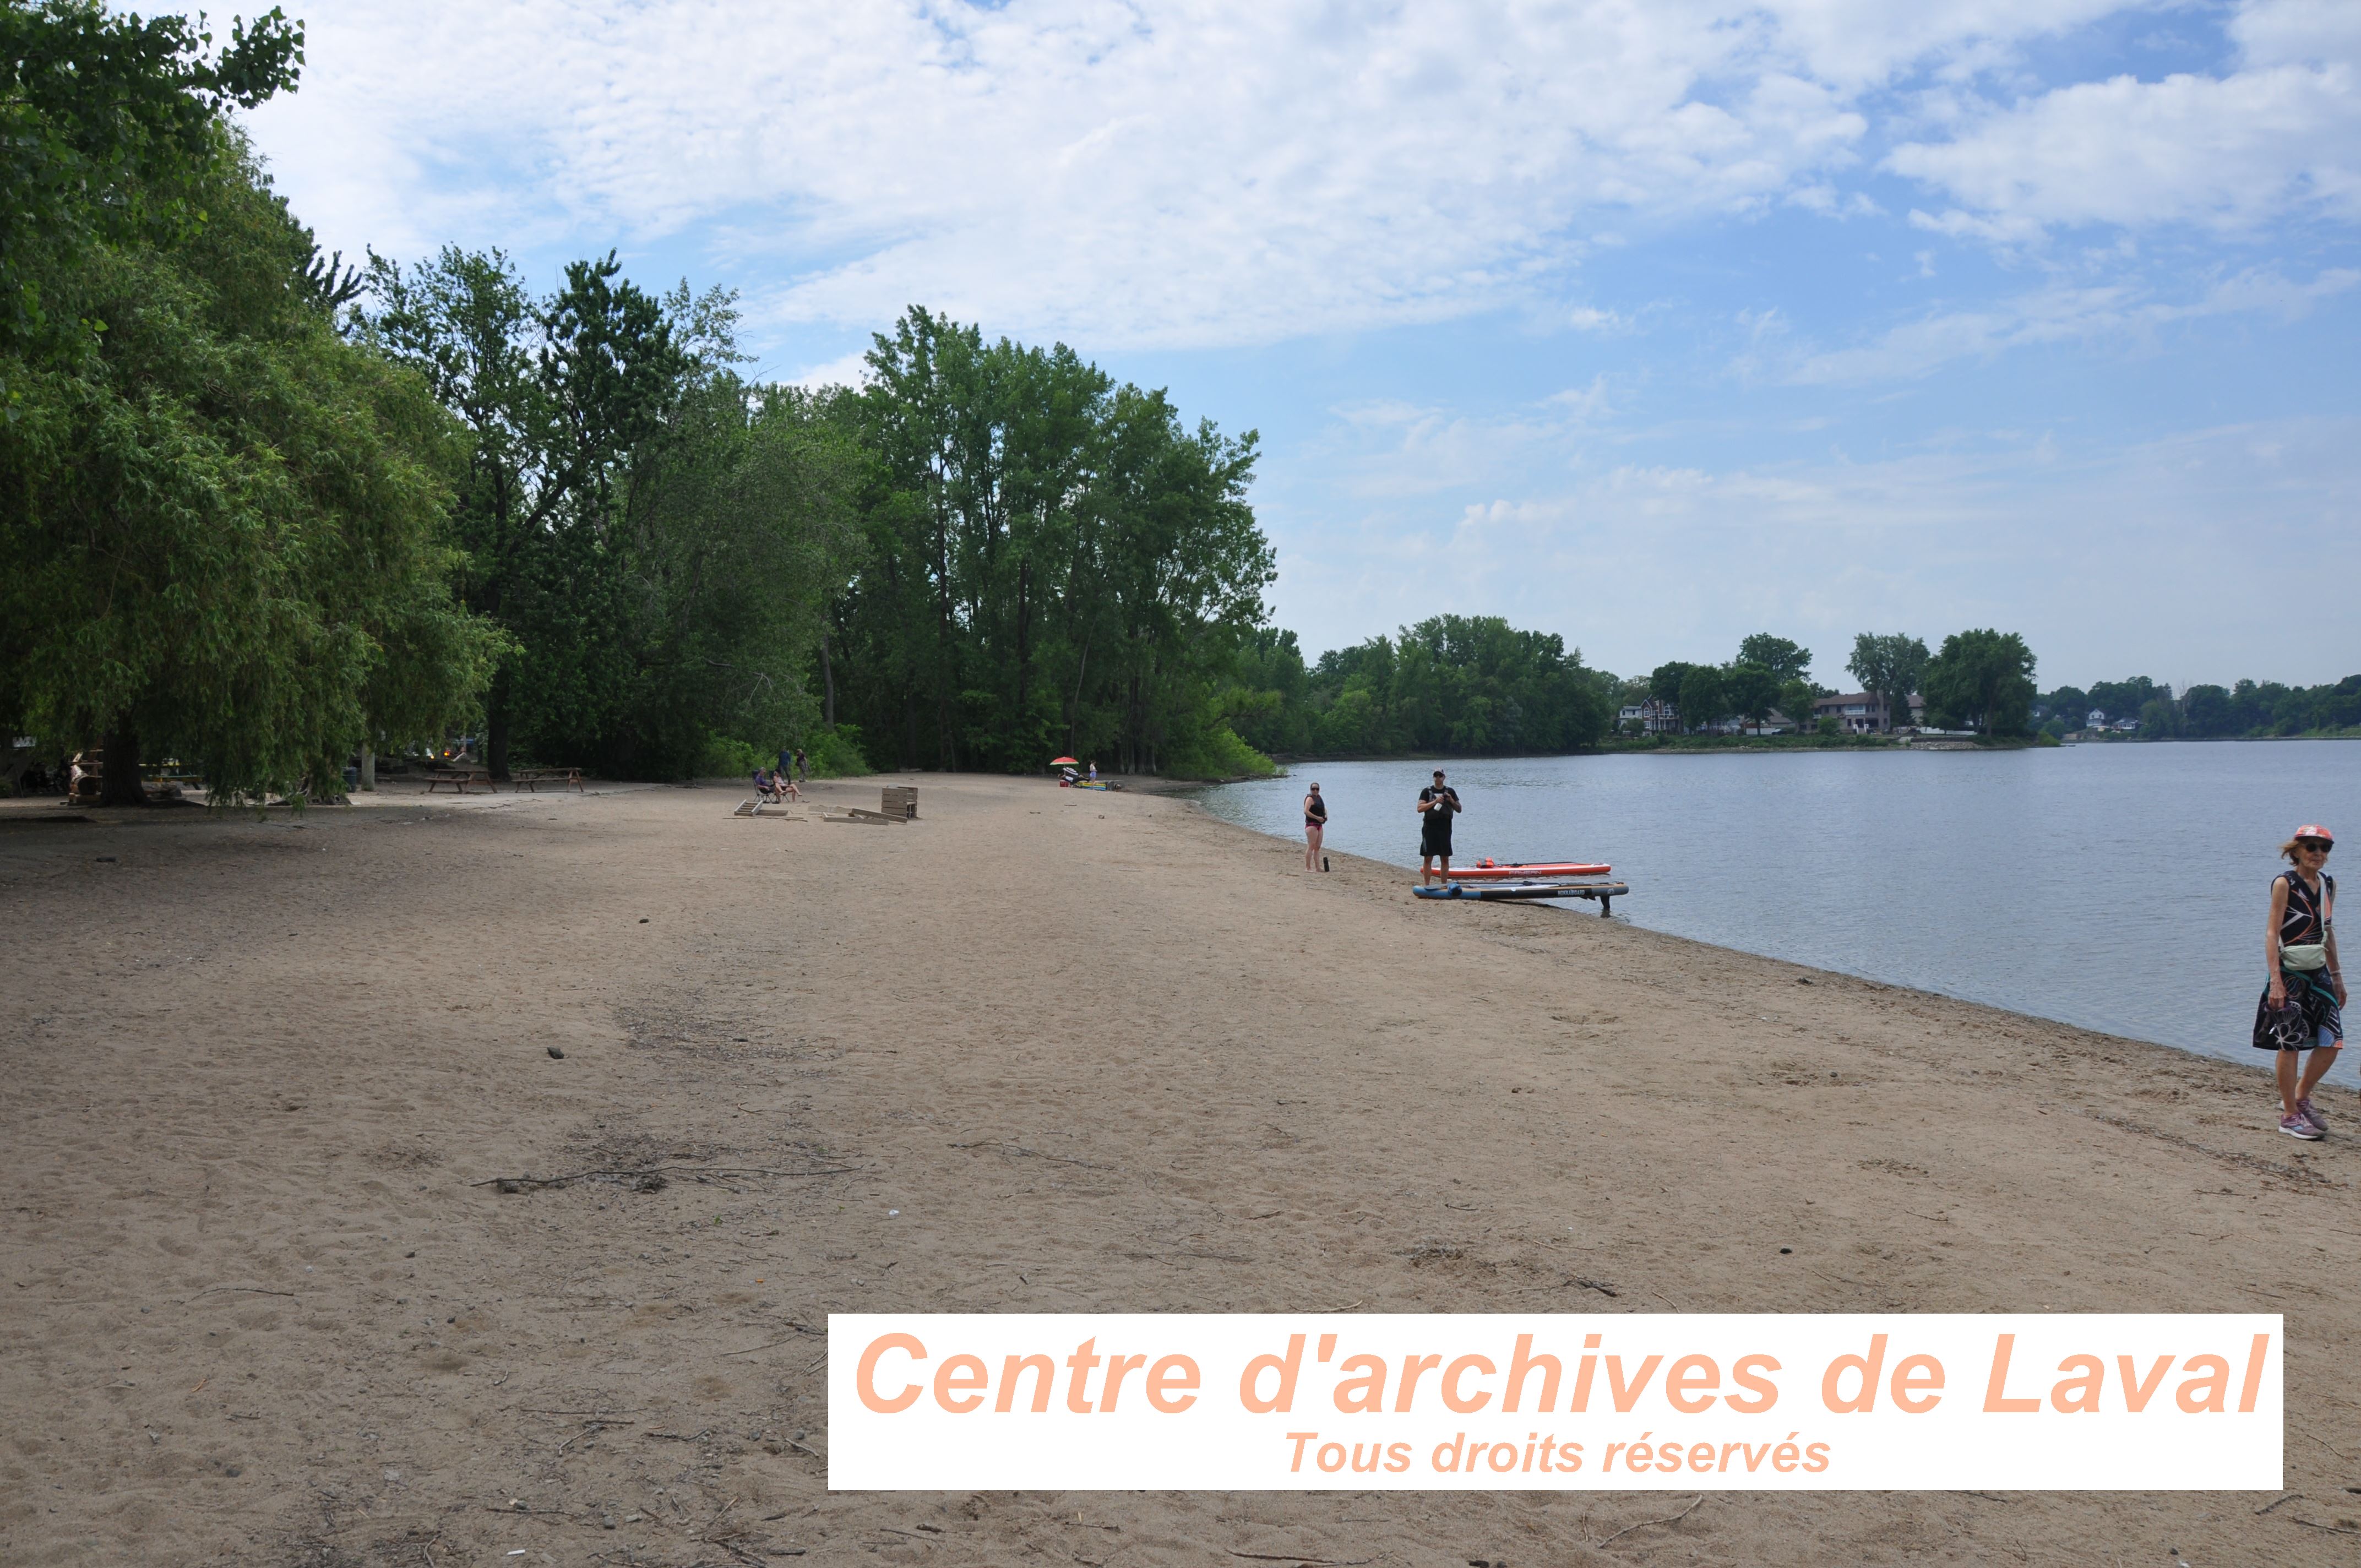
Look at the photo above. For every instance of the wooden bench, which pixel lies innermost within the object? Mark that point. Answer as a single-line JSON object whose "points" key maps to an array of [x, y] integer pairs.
{"points": [[532, 778]]}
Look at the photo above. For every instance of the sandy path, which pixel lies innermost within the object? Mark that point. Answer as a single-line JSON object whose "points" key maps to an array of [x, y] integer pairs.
{"points": [[1099, 1052]]}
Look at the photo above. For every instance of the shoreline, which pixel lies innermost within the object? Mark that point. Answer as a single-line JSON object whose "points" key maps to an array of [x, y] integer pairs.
{"points": [[1584, 911], [1043, 1052]]}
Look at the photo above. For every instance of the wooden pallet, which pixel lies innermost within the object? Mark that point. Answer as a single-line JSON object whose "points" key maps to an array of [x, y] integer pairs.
{"points": [[899, 802]]}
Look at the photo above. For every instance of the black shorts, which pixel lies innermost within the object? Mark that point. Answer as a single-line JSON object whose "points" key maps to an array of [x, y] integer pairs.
{"points": [[1432, 843]]}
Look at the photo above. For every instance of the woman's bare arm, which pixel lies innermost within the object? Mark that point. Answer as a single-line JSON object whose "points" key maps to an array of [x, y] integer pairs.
{"points": [[2271, 939], [2335, 965]]}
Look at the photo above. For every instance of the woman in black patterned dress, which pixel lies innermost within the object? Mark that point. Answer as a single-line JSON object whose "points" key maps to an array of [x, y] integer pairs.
{"points": [[2303, 1009]]}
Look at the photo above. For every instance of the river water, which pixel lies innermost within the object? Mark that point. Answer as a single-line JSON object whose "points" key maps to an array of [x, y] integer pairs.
{"points": [[2121, 887]]}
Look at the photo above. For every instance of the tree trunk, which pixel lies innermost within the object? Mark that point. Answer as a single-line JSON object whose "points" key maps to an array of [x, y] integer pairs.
{"points": [[369, 769], [826, 680], [496, 727], [1024, 644], [121, 784]]}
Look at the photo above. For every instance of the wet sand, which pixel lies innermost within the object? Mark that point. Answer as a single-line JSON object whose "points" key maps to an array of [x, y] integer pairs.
{"points": [[258, 1303]]}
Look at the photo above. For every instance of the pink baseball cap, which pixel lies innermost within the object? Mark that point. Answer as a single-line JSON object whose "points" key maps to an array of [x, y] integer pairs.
{"points": [[2314, 830]]}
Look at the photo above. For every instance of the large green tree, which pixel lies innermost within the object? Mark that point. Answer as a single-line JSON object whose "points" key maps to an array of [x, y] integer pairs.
{"points": [[221, 522], [1052, 562], [566, 402], [1460, 685], [1982, 681], [1787, 661]]}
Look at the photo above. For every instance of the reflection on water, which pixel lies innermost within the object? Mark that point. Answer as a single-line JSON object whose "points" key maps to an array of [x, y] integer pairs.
{"points": [[2121, 887]]}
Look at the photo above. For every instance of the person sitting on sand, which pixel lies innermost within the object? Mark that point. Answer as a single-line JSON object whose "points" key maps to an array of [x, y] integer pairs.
{"points": [[2303, 1009], [1315, 822], [1436, 804]]}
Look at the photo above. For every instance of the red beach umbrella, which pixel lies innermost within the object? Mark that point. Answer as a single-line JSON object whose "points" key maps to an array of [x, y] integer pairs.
{"points": [[1063, 763]]}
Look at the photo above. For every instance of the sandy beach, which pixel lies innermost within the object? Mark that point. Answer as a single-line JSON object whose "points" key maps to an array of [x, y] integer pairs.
{"points": [[264, 1303]]}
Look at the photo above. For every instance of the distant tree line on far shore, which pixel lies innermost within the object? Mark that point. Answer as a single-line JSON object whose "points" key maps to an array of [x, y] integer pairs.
{"points": [[2142, 710], [1461, 685]]}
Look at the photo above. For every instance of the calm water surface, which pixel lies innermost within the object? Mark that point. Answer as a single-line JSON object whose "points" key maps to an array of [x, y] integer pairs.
{"points": [[2121, 887]]}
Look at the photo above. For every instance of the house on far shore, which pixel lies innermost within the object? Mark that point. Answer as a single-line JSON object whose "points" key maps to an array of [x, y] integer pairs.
{"points": [[1653, 715], [1862, 713]]}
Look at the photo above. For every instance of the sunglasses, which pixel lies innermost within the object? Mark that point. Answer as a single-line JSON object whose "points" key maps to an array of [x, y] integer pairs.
{"points": [[2313, 846]]}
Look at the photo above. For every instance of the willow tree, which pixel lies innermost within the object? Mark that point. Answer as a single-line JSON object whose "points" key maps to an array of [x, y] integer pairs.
{"points": [[221, 534]]}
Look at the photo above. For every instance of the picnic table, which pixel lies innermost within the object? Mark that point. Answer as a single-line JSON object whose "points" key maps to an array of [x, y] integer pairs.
{"points": [[533, 778], [519, 778]]}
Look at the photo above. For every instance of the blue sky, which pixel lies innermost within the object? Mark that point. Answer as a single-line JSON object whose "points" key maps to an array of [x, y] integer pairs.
{"points": [[1648, 324]]}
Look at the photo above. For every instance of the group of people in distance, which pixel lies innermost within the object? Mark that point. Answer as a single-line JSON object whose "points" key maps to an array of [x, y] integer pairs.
{"points": [[1437, 804], [777, 786]]}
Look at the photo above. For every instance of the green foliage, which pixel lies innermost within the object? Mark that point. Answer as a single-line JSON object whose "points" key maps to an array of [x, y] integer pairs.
{"points": [[834, 752], [1980, 681], [2215, 712], [1664, 681], [2124, 699], [2068, 706], [1453, 685], [1787, 661], [1751, 691], [221, 523], [1891, 666], [1215, 752], [659, 539], [1052, 562], [111, 136], [725, 757], [1704, 696]]}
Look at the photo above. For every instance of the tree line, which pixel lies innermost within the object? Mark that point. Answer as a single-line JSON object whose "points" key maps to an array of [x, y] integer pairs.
{"points": [[262, 510], [2206, 712], [1450, 685], [1978, 680]]}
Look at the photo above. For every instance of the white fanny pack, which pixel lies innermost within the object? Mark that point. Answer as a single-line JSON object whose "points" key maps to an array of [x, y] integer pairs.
{"points": [[2306, 956]]}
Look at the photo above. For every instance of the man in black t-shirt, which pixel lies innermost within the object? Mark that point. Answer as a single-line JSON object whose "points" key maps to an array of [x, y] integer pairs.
{"points": [[1436, 804]]}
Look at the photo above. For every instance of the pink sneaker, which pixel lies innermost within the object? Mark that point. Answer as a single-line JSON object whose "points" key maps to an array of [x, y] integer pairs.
{"points": [[2297, 1127], [2304, 1109]]}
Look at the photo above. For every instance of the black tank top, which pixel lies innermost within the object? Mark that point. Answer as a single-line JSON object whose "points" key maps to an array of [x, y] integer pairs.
{"points": [[2309, 915]]}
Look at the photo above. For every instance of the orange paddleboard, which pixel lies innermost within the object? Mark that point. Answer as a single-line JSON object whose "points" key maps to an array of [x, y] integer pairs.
{"points": [[1485, 871]]}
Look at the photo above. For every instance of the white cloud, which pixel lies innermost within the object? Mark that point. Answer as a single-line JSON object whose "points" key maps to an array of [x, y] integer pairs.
{"points": [[2059, 314], [1393, 448], [1210, 172], [2279, 134]]}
